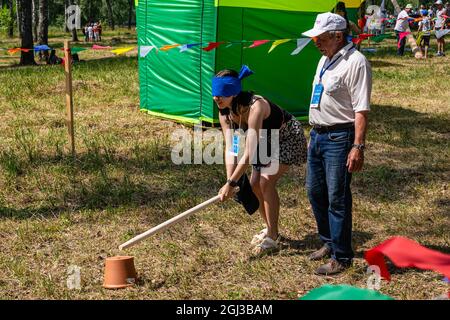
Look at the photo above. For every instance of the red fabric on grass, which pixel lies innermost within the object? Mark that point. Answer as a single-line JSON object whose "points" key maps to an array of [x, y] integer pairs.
{"points": [[406, 253]]}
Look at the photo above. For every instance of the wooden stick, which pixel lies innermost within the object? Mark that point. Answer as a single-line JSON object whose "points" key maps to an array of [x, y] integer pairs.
{"points": [[165, 225], [69, 95]]}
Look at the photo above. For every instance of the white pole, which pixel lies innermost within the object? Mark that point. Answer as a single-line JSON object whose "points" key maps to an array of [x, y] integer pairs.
{"points": [[165, 225]]}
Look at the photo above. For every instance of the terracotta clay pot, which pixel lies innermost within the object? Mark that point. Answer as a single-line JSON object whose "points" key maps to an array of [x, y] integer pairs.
{"points": [[119, 272]]}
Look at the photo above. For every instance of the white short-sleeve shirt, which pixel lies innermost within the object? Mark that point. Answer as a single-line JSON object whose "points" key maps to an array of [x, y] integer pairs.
{"points": [[440, 20], [347, 88], [402, 25]]}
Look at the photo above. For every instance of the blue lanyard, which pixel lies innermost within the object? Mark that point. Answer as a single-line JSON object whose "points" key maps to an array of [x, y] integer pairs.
{"points": [[331, 63]]}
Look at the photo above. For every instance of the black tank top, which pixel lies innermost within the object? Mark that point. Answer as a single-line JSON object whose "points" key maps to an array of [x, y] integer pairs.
{"points": [[277, 115]]}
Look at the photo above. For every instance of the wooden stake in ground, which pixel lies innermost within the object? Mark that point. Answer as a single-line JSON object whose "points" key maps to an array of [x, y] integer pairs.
{"points": [[411, 41], [69, 95]]}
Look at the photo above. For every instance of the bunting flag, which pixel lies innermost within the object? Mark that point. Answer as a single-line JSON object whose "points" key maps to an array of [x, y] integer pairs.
{"points": [[13, 50], [168, 47], [75, 50], [42, 47], [145, 50], [258, 43], [343, 292], [122, 50], [365, 36], [212, 46], [401, 36], [97, 47], [406, 253], [441, 33], [381, 37], [277, 43], [301, 44], [185, 47], [357, 40]]}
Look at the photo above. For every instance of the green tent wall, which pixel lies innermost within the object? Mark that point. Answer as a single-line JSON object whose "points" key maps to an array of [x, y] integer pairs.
{"points": [[177, 85]]}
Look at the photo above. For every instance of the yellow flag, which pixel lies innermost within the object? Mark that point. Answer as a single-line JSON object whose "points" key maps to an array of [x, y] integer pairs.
{"points": [[277, 43], [169, 46], [122, 50]]}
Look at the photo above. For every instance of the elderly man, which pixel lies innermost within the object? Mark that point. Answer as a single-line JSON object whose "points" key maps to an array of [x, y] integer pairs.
{"points": [[338, 115], [401, 25]]}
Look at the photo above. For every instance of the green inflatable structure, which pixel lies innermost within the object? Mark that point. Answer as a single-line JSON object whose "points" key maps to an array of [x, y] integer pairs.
{"points": [[177, 85]]}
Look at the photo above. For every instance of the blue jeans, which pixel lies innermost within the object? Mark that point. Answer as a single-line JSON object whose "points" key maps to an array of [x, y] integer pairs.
{"points": [[328, 186]]}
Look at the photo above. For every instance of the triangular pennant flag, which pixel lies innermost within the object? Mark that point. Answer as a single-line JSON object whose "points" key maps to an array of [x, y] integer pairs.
{"points": [[301, 44], [277, 43], [257, 43], [97, 47], [122, 50], [167, 47], [441, 33], [212, 46], [145, 50], [188, 46], [75, 50], [357, 40], [381, 37], [13, 50], [25, 50], [42, 47], [364, 36]]}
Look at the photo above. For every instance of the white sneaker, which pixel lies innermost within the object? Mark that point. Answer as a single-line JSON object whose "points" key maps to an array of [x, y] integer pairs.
{"points": [[258, 238], [268, 245]]}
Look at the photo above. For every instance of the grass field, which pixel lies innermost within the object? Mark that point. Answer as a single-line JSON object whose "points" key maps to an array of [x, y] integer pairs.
{"points": [[56, 212]]}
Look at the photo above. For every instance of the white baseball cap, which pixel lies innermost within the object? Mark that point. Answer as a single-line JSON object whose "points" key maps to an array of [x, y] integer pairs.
{"points": [[409, 6], [326, 22], [438, 2]]}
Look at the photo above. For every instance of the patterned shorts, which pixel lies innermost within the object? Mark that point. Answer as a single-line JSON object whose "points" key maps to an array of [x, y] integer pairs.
{"points": [[292, 146]]}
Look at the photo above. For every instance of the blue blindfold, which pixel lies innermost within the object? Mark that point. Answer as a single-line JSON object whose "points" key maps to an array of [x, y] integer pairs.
{"points": [[229, 86]]}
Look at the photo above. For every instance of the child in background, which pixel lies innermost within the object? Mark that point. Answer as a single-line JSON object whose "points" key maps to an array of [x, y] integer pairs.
{"points": [[425, 30]]}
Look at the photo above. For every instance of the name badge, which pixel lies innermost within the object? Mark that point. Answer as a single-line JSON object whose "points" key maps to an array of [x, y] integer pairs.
{"points": [[317, 95], [235, 146]]}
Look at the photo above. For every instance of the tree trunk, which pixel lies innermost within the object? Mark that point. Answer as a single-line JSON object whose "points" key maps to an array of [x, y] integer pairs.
{"points": [[11, 15], [130, 13], [43, 22], [27, 58], [19, 17], [412, 42], [35, 10], [110, 14]]}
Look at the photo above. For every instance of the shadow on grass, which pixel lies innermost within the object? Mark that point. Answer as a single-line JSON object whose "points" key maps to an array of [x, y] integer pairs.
{"points": [[312, 242], [94, 187], [413, 135], [383, 64]]}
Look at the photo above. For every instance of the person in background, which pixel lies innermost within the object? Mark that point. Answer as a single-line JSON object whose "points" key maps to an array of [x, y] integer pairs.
{"points": [[90, 33], [53, 58], [95, 31], [342, 11], [401, 26], [425, 28], [440, 25], [99, 27]]}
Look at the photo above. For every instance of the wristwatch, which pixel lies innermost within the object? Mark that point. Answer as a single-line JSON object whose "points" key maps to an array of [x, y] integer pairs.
{"points": [[232, 183], [361, 146]]}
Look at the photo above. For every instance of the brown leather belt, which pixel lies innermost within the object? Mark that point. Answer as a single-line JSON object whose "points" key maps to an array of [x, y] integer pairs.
{"points": [[340, 126]]}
